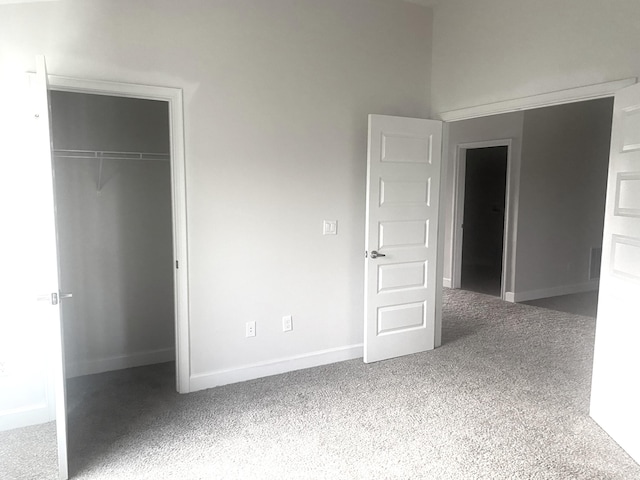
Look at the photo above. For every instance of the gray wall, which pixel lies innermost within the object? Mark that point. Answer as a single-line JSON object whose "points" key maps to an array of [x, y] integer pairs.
{"points": [[276, 98], [492, 50], [116, 245], [101, 122], [565, 157]]}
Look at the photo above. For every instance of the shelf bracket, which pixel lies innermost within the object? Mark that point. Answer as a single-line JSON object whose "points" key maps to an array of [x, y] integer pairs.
{"points": [[99, 184]]}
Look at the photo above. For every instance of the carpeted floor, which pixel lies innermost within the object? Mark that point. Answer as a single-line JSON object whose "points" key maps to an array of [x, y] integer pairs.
{"points": [[29, 453], [505, 397]]}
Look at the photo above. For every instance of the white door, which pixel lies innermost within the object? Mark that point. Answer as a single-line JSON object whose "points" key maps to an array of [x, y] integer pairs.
{"points": [[49, 262], [31, 369], [403, 189], [615, 395], [46, 273]]}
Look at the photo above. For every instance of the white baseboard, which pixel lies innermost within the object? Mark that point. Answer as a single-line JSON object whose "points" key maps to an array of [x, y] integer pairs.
{"points": [[274, 367], [551, 292], [24, 416], [138, 359], [447, 283]]}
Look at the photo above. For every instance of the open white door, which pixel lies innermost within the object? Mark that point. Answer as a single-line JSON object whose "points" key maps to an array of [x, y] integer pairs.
{"points": [[31, 368], [615, 396], [46, 282], [403, 190]]}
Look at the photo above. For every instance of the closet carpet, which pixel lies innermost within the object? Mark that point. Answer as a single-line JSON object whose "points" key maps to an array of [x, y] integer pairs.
{"points": [[505, 397]]}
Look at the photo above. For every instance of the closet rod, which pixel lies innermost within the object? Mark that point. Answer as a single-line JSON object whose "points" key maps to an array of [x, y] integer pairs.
{"points": [[108, 155]]}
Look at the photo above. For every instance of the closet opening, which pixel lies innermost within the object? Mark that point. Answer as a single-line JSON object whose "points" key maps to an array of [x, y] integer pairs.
{"points": [[113, 193]]}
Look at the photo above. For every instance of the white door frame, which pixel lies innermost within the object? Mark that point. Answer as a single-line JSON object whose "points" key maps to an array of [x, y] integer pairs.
{"points": [[558, 97], [457, 234], [173, 96]]}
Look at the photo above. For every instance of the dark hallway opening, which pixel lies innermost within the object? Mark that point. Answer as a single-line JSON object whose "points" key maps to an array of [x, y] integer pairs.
{"points": [[483, 221]]}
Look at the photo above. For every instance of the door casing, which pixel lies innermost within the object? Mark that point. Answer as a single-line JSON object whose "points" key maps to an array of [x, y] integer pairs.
{"points": [[173, 96], [511, 195]]}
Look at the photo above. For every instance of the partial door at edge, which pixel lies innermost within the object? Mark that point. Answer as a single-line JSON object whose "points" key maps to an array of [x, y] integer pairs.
{"points": [[615, 397]]}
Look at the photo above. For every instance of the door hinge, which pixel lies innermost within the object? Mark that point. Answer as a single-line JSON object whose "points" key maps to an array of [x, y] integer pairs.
{"points": [[177, 264], [366, 254], [54, 298]]}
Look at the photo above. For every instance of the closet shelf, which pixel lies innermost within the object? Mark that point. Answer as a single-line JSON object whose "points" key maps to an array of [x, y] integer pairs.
{"points": [[106, 155]]}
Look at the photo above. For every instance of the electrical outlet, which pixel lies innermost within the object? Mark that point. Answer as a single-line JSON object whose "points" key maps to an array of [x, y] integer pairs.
{"points": [[287, 323], [251, 329], [4, 370]]}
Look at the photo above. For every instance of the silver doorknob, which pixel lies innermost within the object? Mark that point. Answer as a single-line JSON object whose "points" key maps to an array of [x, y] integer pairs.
{"points": [[375, 254]]}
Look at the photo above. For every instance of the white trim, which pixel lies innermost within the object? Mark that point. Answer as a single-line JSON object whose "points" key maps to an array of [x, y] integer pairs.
{"points": [[558, 97], [275, 367], [446, 283], [138, 359], [444, 152], [551, 292], [511, 195], [25, 416], [179, 196]]}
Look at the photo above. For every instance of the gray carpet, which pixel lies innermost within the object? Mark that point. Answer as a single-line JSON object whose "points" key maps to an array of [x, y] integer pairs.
{"points": [[29, 453], [506, 397]]}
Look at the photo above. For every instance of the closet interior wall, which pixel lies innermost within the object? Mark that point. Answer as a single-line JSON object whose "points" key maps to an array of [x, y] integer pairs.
{"points": [[114, 219]]}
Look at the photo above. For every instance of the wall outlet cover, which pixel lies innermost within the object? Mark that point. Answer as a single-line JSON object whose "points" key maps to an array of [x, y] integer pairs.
{"points": [[287, 323], [250, 329]]}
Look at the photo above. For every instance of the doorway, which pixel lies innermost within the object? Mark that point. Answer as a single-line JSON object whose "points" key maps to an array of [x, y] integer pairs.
{"points": [[481, 215], [485, 187], [112, 177], [173, 99]]}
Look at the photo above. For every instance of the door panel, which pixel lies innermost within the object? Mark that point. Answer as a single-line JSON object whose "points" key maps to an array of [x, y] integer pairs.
{"points": [[628, 195], [403, 179], [402, 276], [403, 193], [614, 395], [48, 268], [403, 234], [27, 391]]}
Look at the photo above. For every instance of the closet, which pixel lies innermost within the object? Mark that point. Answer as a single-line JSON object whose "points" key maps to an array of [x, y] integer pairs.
{"points": [[112, 175]]}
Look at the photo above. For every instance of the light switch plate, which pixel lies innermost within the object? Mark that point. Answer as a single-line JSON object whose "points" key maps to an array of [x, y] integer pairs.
{"points": [[330, 227]]}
